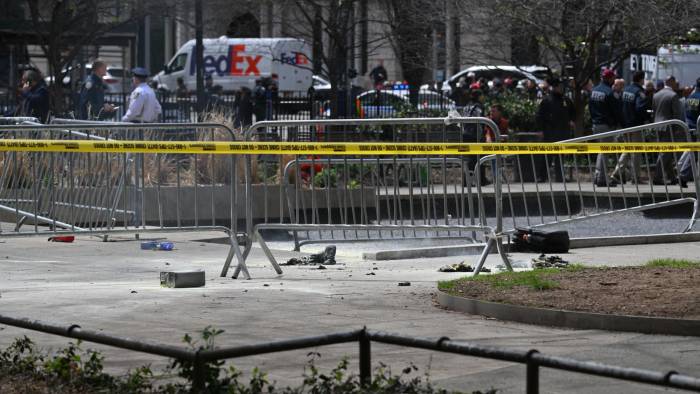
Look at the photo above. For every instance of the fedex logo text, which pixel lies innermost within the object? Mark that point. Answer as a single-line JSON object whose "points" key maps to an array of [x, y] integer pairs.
{"points": [[235, 62], [294, 59]]}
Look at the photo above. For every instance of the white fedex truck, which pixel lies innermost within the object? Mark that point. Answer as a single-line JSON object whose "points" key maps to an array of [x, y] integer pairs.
{"points": [[237, 62]]}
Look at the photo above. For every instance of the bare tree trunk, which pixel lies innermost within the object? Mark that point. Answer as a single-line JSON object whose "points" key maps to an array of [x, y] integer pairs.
{"points": [[580, 108], [451, 50]]}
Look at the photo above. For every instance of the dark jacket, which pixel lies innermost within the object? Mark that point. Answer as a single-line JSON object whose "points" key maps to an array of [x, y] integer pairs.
{"points": [[667, 105], [603, 106], [554, 115], [260, 103], [635, 104], [692, 109], [35, 102], [473, 109], [92, 98], [245, 109]]}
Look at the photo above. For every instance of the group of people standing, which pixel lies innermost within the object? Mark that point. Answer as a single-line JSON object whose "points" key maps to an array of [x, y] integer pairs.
{"points": [[143, 103], [614, 106], [34, 99]]}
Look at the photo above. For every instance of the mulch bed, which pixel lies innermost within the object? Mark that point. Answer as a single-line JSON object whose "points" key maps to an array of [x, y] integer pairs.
{"points": [[638, 291]]}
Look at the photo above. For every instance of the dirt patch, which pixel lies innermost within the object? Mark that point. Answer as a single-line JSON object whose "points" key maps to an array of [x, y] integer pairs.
{"points": [[638, 291], [32, 384]]}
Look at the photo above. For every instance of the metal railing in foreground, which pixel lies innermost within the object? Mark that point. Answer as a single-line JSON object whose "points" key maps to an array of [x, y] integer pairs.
{"points": [[117, 193], [533, 359]]}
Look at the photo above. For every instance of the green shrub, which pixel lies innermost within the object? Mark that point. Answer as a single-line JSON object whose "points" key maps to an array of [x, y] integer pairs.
{"points": [[520, 111]]}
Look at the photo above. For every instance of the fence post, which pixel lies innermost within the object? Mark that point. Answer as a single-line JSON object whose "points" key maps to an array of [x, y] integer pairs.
{"points": [[532, 374], [365, 358], [198, 374]]}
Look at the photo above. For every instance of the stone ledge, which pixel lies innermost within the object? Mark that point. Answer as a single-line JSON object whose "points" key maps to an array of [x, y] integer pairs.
{"points": [[570, 319]]}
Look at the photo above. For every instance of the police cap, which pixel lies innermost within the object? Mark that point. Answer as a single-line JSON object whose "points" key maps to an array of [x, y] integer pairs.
{"points": [[140, 72]]}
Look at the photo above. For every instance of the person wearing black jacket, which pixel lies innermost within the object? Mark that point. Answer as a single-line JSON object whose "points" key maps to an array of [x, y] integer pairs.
{"points": [[35, 96], [635, 106], [555, 118], [91, 103], [604, 108]]}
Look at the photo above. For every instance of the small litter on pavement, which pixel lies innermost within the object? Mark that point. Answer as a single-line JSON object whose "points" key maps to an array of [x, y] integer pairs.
{"points": [[62, 238], [327, 257], [157, 245], [545, 261]]}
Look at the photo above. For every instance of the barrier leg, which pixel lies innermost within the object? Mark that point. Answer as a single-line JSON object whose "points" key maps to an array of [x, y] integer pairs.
{"points": [[502, 252], [484, 255], [235, 249], [267, 251]]}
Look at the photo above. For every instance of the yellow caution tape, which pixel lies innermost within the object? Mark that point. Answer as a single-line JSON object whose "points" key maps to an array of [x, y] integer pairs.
{"points": [[337, 148]]}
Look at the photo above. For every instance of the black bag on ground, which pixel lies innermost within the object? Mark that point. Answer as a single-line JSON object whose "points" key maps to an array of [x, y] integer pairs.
{"points": [[541, 241]]}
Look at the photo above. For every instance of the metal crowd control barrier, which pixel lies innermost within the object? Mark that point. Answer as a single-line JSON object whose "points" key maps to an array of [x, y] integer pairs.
{"points": [[102, 193], [353, 199], [533, 359], [544, 190], [10, 120]]}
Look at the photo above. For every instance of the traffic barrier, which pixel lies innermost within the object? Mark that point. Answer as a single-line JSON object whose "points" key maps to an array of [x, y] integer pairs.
{"points": [[107, 193], [420, 188], [87, 177], [536, 195]]}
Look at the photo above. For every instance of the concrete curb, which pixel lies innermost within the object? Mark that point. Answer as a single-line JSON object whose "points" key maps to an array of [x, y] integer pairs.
{"points": [[570, 319], [576, 243]]}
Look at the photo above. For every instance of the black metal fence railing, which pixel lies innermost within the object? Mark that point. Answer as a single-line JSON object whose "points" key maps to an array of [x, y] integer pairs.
{"points": [[282, 106], [532, 359]]}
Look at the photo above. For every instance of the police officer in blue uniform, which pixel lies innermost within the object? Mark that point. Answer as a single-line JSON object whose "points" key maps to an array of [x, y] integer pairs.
{"points": [[605, 116], [91, 105], [635, 106], [143, 104]]}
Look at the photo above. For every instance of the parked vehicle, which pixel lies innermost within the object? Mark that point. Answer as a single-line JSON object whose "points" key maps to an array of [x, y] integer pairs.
{"points": [[387, 103], [237, 62], [117, 79], [322, 88], [516, 73]]}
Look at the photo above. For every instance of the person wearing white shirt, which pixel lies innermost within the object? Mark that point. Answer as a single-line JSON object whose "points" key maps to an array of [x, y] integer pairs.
{"points": [[143, 104]]}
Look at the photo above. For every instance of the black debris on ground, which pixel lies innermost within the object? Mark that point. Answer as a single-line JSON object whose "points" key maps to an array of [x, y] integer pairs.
{"points": [[327, 257], [460, 267], [545, 261]]}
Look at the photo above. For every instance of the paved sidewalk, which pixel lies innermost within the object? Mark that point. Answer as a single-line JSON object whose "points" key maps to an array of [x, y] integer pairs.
{"points": [[114, 287]]}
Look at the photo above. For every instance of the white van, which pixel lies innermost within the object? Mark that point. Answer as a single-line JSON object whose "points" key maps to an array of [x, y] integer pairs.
{"points": [[237, 62], [681, 61]]}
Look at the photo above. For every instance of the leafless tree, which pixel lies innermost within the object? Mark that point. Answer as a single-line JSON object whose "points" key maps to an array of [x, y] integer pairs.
{"points": [[580, 36], [65, 27], [409, 26]]}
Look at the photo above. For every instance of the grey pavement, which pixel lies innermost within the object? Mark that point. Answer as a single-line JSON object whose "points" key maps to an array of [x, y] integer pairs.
{"points": [[114, 287]]}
